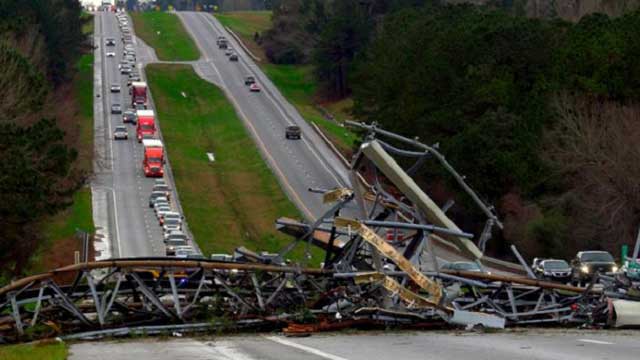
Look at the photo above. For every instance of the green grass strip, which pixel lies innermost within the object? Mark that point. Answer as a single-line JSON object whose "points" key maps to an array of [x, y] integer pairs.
{"points": [[164, 32]]}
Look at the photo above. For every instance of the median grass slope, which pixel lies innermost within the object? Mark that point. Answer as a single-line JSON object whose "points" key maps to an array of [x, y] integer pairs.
{"points": [[234, 200], [35, 351], [164, 32], [246, 24]]}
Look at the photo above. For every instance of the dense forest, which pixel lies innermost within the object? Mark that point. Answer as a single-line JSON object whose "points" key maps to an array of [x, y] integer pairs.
{"points": [[40, 41], [540, 114]]}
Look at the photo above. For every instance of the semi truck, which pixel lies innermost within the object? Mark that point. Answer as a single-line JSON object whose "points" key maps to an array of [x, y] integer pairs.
{"points": [[139, 93], [146, 124], [153, 160]]}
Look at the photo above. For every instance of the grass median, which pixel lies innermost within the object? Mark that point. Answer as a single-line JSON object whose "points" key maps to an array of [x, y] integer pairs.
{"points": [[233, 201], [164, 32], [46, 350]]}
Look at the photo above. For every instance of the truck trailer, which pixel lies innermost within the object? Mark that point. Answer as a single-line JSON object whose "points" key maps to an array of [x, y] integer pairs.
{"points": [[153, 160], [146, 124]]}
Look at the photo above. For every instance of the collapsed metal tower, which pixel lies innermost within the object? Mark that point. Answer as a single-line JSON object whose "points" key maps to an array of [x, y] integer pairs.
{"points": [[370, 274]]}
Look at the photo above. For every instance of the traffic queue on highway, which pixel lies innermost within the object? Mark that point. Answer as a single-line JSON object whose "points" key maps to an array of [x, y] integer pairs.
{"points": [[138, 114]]}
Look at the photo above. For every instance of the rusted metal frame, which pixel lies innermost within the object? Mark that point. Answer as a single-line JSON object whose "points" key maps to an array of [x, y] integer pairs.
{"points": [[233, 293], [176, 298], [197, 294], [151, 296], [36, 312], [94, 295], [15, 313], [68, 304], [277, 291], [114, 293], [514, 310], [256, 287]]}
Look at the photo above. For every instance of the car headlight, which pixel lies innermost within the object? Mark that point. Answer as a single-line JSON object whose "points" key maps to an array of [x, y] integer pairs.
{"points": [[584, 269], [614, 268]]}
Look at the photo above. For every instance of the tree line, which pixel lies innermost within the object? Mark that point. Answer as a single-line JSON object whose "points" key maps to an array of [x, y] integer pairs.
{"points": [[539, 114], [40, 41]]}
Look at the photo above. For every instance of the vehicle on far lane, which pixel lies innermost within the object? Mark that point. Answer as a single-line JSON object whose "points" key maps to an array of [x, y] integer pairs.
{"points": [[233, 57], [115, 88], [110, 54], [229, 51], [110, 42], [116, 109], [552, 269], [120, 133], [249, 80], [587, 263], [254, 87], [293, 132]]}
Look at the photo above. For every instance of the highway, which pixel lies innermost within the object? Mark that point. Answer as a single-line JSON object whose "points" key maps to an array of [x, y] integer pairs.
{"points": [[119, 186], [566, 344], [298, 164]]}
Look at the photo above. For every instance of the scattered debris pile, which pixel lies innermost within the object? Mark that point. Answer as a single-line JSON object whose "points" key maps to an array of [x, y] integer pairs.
{"points": [[380, 268]]}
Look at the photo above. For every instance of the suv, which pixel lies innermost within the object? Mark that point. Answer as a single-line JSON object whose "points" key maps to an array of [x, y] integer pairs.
{"points": [[552, 269], [249, 80], [587, 263], [293, 132]]}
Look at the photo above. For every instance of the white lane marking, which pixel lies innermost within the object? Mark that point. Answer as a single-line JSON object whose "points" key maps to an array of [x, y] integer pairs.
{"points": [[308, 349], [599, 342], [229, 351]]}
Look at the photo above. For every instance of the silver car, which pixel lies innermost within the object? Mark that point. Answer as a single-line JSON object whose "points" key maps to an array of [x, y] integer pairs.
{"points": [[120, 133]]}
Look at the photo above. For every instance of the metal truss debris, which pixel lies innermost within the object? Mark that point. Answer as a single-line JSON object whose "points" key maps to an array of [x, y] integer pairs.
{"points": [[380, 268]]}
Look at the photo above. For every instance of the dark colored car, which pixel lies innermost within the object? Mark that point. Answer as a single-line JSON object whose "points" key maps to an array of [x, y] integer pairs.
{"points": [[222, 45], [552, 269], [587, 263], [233, 57], [111, 42], [249, 80], [116, 109], [293, 132], [130, 116]]}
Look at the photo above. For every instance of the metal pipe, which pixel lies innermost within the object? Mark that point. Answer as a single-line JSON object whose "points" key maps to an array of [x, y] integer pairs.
{"points": [[486, 209], [522, 262]]}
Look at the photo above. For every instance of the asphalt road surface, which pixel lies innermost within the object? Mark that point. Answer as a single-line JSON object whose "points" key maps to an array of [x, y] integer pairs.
{"points": [[298, 164], [531, 344], [119, 183]]}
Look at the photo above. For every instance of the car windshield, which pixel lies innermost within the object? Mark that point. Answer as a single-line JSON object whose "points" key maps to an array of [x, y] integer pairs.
{"points": [[146, 127], [121, 128], [176, 242], [597, 257], [555, 264], [155, 159], [172, 222]]}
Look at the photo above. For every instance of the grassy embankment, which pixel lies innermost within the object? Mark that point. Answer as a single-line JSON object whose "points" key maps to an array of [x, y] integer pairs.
{"points": [[59, 230], [294, 81], [165, 33], [39, 351], [234, 200]]}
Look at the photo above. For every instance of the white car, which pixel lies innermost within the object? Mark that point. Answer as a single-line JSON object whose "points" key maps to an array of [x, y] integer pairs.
{"points": [[170, 215], [162, 210], [183, 251], [110, 54], [115, 88], [171, 225]]}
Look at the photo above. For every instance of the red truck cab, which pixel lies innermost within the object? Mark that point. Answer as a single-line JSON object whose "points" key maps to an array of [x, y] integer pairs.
{"points": [[146, 124], [153, 161]]}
